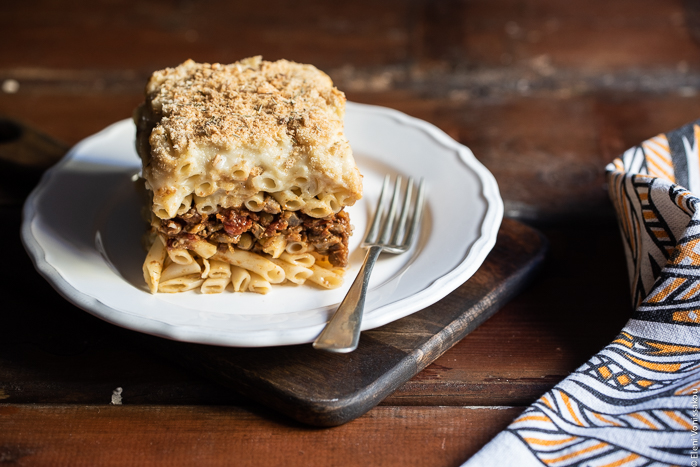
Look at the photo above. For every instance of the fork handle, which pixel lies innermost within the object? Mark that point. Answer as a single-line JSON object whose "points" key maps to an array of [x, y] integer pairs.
{"points": [[342, 333]]}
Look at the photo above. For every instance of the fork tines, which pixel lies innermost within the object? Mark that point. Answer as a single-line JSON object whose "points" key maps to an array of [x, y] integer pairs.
{"points": [[385, 230]]}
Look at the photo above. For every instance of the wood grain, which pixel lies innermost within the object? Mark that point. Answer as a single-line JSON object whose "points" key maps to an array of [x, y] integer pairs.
{"points": [[133, 36], [186, 435]]}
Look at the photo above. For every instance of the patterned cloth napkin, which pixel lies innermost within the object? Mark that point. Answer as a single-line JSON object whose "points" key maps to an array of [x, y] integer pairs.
{"points": [[635, 403]]}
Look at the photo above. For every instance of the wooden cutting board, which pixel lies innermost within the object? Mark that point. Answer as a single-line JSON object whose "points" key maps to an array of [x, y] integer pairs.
{"points": [[311, 386], [325, 389]]}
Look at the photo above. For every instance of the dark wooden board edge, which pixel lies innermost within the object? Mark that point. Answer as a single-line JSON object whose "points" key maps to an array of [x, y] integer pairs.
{"points": [[25, 153], [323, 389]]}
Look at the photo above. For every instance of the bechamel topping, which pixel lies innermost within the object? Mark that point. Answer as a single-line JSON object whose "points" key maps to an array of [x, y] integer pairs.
{"points": [[246, 103], [283, 111]]}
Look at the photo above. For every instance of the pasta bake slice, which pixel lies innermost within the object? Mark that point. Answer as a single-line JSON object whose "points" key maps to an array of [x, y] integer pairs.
{"points": [[248, 171]]}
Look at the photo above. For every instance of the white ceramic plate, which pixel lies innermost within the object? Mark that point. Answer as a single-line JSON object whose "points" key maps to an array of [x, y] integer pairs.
{"points": [[82, 228]]}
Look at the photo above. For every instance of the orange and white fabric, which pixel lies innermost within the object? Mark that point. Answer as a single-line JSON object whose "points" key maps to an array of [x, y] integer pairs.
{"points": [[636, 402]]}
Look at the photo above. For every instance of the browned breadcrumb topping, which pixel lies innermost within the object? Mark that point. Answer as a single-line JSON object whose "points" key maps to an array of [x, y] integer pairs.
{"points": [[245, 103]]}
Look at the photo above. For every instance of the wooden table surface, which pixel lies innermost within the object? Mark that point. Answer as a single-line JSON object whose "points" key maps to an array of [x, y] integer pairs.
{"points": [[544, 92]]}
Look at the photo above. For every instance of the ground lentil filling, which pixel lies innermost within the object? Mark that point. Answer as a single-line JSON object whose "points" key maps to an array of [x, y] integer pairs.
{"points": [[255, 230]]}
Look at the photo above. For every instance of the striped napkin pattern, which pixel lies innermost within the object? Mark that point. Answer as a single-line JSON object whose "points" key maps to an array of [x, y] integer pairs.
{"points": [[635, 403]]}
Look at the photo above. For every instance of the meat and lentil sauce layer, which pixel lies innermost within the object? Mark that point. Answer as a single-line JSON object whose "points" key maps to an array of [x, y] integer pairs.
{"points": [[255, 230]]}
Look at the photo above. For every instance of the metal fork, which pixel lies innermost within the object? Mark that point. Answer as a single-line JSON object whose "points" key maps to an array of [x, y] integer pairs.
{"points": [[342, 333]]}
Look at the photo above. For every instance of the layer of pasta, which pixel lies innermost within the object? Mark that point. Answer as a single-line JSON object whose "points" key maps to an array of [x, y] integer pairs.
{"points": [[248, 172]]}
